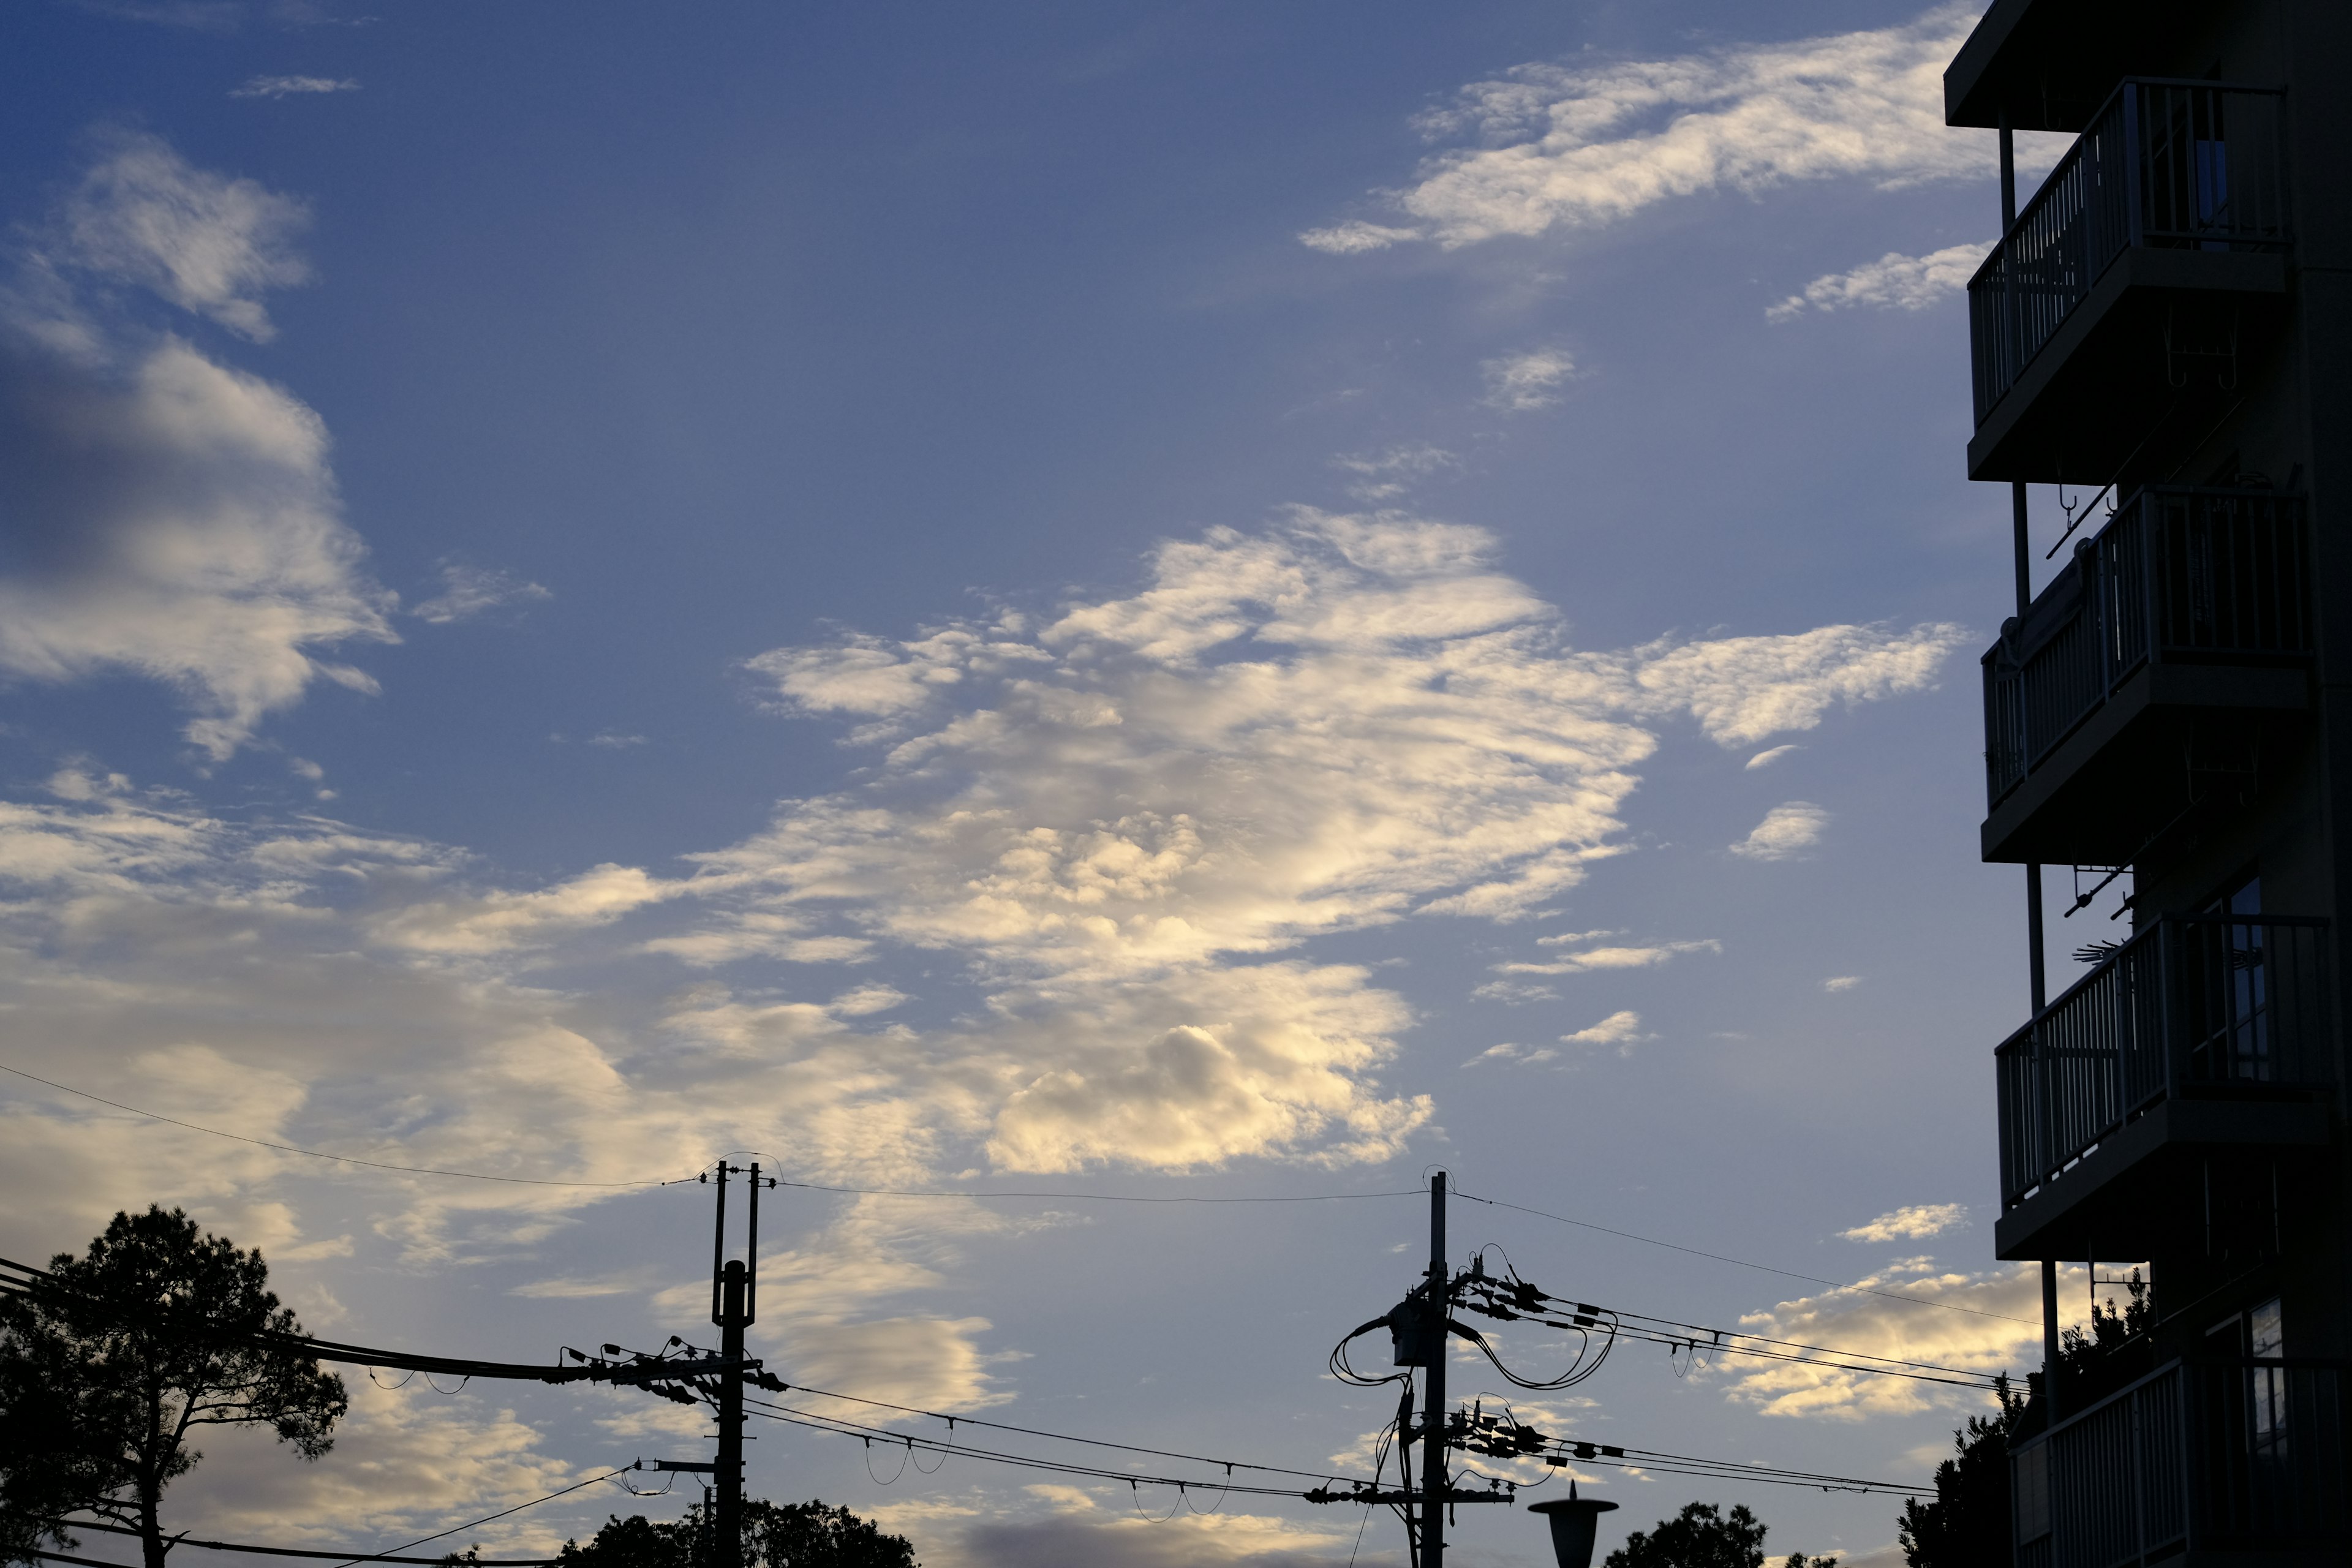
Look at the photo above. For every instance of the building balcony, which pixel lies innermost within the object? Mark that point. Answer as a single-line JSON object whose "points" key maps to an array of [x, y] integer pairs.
{"points": [[2201, 1033], [2196, 1463], [2158, 658], [2122, 300]]}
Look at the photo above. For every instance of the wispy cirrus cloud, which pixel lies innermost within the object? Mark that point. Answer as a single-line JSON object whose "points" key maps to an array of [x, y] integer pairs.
{"points": [[468, 590], [1578, 147], [1392, 471], [1893, 282], [292, 86], [1523, 383]]}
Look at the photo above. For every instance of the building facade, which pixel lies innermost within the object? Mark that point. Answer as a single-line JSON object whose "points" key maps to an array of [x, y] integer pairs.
{"points": [[2165, 334]]}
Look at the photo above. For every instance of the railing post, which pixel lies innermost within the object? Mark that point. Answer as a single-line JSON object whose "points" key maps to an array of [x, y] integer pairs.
{"points": [[2133, 152]]}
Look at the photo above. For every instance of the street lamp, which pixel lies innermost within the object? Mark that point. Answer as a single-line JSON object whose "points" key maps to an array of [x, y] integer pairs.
{"points": [[1575, 1522]]}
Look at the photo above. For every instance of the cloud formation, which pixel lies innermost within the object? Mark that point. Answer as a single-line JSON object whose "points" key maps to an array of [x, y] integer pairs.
{"points": [[2000, 1332], [173, 517], [1913, 1224], [1578, 147], [1523, 383], [468, 590], [209, 244], [1786, 832], [292, 86], [1387, 474], [1893, 282]]}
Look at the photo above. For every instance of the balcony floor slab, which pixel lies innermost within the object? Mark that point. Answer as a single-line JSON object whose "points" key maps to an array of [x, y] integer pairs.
{"points": [[2063, 813], [2099, 1204], [2083, 406]]}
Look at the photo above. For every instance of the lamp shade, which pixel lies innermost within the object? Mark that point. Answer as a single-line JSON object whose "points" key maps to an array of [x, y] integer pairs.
{"points": [[1575, 1522]]}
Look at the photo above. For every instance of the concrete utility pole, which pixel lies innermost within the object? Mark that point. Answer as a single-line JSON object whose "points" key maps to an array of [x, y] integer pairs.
{"points": [[734, 1304], [1433, 1410]]}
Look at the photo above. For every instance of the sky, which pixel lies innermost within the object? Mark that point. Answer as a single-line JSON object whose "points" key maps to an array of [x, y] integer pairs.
{"points": [[1170, 601]]}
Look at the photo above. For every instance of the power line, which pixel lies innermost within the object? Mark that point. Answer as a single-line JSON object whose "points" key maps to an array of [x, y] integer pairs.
{"points": [[1743, 1263], [1229, 1465], [869, 1435], [180, 1541], [487, 1518]]}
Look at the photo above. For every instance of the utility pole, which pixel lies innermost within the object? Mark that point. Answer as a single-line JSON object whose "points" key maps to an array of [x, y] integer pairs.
{"points": [[734, 1304], [1433, 1410]]}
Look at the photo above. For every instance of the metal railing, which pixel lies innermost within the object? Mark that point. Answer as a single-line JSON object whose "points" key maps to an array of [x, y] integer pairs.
{"points": [[2178, 575], [2218, 1455], [2214, 1004], [2172, 165]]}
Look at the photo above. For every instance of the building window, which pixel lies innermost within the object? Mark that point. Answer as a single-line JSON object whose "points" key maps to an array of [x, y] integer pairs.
{"points": [[2266, 1386]]}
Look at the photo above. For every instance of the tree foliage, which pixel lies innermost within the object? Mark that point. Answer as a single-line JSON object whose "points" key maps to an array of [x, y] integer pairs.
{"points": [[1703, 1536], [108, 1368], [775, 1535], [1967, 1524]]}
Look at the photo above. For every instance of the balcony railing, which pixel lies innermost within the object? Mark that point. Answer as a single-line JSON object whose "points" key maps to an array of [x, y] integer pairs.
{"points": [[2171, 164], [2183, 576], [2209, 1003], [2223, 1456]]}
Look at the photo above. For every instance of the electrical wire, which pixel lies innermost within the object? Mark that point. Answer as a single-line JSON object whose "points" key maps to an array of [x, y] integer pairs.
{"points": [[1513, 1298], [815, 1423], [1741, 1262], [953, 1421], [487, 1518], [180, 1541]]}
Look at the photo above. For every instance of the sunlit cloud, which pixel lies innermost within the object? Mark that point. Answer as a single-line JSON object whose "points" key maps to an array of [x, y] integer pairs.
{"points": [[1893, 282], [2001, 1331], [1786, 832], [1913, 1224], [1578, 147]]}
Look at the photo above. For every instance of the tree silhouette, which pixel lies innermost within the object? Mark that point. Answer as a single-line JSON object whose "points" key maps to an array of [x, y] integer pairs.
{"points": [[1968, 1521], [109, 1367], [775, 1535], [1703, 1536]]}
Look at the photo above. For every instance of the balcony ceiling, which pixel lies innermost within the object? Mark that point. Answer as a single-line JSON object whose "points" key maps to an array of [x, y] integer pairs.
{"points": [[2051, 63]]}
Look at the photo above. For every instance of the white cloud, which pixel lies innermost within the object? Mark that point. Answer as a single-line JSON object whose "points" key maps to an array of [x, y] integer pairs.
{"points": [[1837, 983], [1092, 848], [1522, 382], [1582, 146], [1354, 239], [287, 86], [1622, 1029], [1786, 832], [207, 243], [174, 518], [2000, 1332], [1912, 1224], [1765, 759], [1895, 281], [1390, 473], [1612, 957], [468, 590], [1515, 993]]}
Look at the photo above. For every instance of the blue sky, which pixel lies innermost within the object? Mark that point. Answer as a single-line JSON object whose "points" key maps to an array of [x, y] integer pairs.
{"points": [[1168, 600]]}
